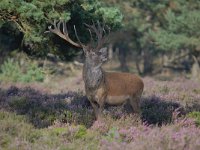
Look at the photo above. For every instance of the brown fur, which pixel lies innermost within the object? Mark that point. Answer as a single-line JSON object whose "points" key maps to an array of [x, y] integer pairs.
{"points": [[123, 84], [115, 88]]}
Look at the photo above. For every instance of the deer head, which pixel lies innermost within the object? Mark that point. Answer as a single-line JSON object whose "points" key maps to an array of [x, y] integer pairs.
{"points": [[94, 53]]}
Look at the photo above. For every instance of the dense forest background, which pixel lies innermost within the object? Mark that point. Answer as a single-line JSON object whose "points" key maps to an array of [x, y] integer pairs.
{"points": [[158, 37]]}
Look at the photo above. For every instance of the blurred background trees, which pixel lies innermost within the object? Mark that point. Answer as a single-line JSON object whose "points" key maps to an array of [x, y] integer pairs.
{"points": [[156, 36], [163, 35]]}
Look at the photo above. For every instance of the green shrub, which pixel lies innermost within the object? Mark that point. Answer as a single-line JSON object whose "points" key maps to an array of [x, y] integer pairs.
{"points": [[59, 136], [112, 134], [195, 115], [82, 131], [33, 73], [33, 136], [58, 131], [12, 71], [4, 140]]}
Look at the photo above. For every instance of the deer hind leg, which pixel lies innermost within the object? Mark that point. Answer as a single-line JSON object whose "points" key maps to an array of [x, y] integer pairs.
{"points": [[135, 103]]}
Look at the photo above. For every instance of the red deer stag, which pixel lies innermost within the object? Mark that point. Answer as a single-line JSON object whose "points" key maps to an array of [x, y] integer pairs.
{"points": [[102, 87]]}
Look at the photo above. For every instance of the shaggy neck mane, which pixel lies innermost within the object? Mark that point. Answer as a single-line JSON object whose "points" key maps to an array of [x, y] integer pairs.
{"points": [[93, 76]]}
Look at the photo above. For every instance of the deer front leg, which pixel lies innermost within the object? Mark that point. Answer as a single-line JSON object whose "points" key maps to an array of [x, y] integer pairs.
{"points": [[95, 107], [98, 109]]}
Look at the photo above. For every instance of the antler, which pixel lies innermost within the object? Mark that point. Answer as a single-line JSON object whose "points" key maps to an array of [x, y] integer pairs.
{"points": [[64, 33], [99, 31]]}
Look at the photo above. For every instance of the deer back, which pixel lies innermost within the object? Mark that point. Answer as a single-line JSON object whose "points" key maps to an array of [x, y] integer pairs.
{"points": [[122, 84]]}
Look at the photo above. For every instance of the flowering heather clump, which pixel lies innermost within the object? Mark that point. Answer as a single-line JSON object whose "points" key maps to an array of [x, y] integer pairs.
{"points": [[185, 92], [161, 98], [175, 137], [170, 112], [159, 101], [43, 109], [100, 126]]}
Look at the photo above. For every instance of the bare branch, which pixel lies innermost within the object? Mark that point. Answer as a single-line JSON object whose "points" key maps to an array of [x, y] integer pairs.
{"points": [[91, 37]]}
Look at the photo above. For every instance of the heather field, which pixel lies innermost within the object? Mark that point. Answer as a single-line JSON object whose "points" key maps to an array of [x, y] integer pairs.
{"points": [[56, 116]]}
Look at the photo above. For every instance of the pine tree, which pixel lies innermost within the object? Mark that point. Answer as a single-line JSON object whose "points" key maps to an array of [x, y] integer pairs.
{"points": [[169, 27], [181, 27], [180, 33], [32, 17]]}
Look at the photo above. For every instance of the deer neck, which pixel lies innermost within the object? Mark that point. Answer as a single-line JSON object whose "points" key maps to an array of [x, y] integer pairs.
{"points": [[93, 76]]}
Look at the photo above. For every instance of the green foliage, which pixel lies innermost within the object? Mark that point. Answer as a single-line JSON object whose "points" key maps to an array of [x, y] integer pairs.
{"points": [[33, 74], [195, 115], [55, 137], [111, 15], [5, 140], [12, 71], [112, 134], [33, 17], [171, 25], [13, 124], [58, 131], [82, 131], [180, 28]]}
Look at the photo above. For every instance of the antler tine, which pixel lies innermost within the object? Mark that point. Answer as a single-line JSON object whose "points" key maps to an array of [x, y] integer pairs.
{"points": [[91, 37], [65, 31], [108, 28], [91, 27], [99, 30], [58, 25], [64, 34], [77, 35]]}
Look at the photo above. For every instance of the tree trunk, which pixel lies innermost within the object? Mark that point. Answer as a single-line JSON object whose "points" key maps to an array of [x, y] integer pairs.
{"points": [[110, 51], [138, 57], [148, 62], [195, 71], [122, 59], [166, 71]]}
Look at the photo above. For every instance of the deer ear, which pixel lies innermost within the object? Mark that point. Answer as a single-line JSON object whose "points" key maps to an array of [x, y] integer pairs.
{"points": [[104, 54], [104, 50]]}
